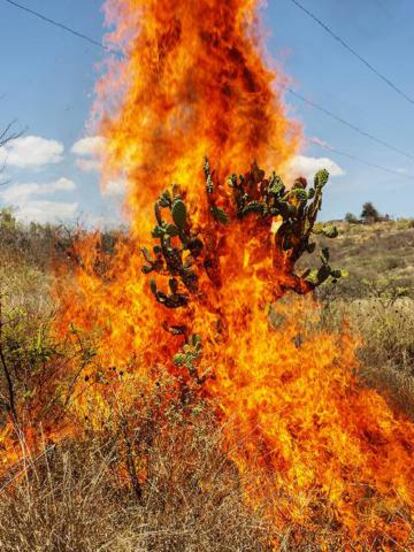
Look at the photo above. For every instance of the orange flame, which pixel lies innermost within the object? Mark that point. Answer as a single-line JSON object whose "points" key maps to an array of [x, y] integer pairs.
{"points": [[193, 83]]}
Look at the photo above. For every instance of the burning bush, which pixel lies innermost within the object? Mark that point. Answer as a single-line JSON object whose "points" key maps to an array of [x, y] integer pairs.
{"points": [[319, 450]]}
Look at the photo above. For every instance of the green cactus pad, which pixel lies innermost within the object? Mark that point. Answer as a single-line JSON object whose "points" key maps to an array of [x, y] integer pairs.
{"points": [[172, 230], [219, 215], [300, 194], [179, 213], [321, 178], [158, 232], [330, 231]]}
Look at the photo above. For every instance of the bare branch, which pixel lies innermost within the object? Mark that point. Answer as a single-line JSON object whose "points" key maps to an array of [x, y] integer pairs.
{"points": [[8, 134]]}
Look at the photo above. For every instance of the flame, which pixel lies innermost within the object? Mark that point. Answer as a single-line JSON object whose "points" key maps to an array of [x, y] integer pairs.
{"points": [[192, 83]]}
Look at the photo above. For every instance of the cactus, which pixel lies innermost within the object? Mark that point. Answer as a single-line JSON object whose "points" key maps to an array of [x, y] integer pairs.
{"points": [[180, 249], [181, 254], [219, 215], [327, 230], [169, 257], [179, 213]]}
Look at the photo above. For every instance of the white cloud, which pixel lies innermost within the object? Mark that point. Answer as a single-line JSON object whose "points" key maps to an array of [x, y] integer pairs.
{"points": [[62, 185], [29, 205], [302, 165], [31, 151], [319, 142], [89, 151], [46, 211], [88, 165], [86, 147], [22, 192]]}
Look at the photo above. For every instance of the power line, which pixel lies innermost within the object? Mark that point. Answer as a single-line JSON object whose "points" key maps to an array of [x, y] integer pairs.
{"points": [[291, 91], [348, 124], [350, 49], [328, 147], [59, 25]]}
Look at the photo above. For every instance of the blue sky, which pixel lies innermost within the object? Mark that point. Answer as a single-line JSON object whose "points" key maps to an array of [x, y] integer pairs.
{"points": [[48, 78]]}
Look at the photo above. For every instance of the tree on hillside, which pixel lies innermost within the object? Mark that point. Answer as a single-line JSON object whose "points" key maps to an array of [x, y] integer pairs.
{"points": [[350, 218], [369, 213]]}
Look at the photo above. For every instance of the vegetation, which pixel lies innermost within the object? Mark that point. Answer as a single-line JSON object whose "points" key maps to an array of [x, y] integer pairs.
{"points": [[71, 496], [266, 199], [369, 213], [350, 218], [377, 298]]}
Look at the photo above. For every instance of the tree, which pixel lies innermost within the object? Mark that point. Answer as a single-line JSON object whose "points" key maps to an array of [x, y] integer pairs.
{"points": [[369, 213], [350, 218]]}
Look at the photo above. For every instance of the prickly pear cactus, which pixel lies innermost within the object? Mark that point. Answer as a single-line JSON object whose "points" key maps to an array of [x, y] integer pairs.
{"points": [[182, 253], [252, 195]]}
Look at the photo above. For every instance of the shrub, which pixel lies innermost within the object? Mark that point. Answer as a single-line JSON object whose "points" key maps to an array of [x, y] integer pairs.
{"points": [[369, 213], [350, 218]]}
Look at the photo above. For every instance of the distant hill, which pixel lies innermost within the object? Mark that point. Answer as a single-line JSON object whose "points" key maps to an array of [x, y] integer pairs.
{"points": [[379, 252]]}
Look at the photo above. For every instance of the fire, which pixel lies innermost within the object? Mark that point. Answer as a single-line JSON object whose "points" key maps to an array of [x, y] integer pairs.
{"points": [[193, 83]]}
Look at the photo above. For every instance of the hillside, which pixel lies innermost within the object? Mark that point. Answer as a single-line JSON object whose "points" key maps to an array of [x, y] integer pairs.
{"points": [[375, 252], [377, 300]]}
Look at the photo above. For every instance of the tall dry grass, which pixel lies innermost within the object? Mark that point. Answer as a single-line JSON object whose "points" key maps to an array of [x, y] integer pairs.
{"points": [[72, 497], [385, 326]]}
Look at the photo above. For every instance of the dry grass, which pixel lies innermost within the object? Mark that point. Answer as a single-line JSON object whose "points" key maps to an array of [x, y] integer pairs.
{"points": [[386, 329], [374, 252], [71, 499], [76, 495]]}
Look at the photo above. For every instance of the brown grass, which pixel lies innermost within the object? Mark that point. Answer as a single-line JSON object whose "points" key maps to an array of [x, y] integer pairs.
{"points": [[71, 498], [386, 329]]}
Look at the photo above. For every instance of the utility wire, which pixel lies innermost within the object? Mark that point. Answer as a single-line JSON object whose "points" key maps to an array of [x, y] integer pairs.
{"points": [[328, 147], [59, 25], [348, 124], [350, 49], [291, 91]]}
